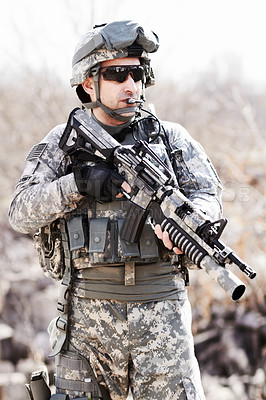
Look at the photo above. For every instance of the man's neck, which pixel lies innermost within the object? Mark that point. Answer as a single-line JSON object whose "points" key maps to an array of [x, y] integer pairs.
{"points": [[113, 130]]}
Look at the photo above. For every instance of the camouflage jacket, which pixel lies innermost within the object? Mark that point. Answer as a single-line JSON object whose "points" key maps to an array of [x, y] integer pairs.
{"points": [[46, 191]]}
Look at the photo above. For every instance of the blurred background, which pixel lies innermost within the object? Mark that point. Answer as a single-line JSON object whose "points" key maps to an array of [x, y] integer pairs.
{"points": [[210, 77]]}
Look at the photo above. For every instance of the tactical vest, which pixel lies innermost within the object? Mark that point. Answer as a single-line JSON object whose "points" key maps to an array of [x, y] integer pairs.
{"points": [[92, 232], [94, 237]]}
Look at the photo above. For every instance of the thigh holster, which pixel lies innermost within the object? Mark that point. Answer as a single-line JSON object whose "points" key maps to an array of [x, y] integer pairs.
{"points": [[75, 378]]}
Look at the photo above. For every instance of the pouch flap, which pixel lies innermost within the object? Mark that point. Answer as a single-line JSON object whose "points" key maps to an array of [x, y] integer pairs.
{"points": [[147, 243], [75, 232], [98, 234]]}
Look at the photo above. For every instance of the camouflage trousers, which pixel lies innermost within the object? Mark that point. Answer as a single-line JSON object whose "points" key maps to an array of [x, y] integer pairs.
{"points": [[145, 346]]}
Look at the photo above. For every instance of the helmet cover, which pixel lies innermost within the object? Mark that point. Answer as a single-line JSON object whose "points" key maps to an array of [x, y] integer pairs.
{"points": [[117, 39]]}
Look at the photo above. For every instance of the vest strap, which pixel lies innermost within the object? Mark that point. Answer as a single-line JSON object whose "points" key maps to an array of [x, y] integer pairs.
{"points": [[129, 273]]}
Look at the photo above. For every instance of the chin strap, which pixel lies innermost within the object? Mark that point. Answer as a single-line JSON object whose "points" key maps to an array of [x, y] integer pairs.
{"points": [[113, 113]]}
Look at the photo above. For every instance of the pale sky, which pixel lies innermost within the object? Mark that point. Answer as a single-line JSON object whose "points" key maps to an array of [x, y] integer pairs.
{"points": [[194, 34]]}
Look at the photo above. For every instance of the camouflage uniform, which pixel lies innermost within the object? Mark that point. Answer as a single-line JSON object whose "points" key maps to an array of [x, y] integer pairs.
{"points": [[136, 335]]}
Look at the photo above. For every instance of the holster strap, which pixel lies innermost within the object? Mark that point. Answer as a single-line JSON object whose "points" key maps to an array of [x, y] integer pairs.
{"points": [[69, 363], [79, 386]]}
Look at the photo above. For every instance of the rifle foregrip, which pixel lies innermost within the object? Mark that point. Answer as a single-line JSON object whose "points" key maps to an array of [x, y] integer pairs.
{"points": [[233, 286], [184, 242]]}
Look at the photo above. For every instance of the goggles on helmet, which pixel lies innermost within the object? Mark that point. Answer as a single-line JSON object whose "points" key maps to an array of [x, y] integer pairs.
{"points": [[120, 73]]}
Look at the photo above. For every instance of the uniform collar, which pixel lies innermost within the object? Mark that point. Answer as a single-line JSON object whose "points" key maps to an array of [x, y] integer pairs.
{"points": [[113, 130]]}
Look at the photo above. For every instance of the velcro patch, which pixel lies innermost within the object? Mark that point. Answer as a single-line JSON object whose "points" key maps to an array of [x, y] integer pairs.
{"points": [[36, 151]]}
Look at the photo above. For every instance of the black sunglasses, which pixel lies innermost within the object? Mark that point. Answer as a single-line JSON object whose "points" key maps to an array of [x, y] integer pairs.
{"points": [[120, 73]]}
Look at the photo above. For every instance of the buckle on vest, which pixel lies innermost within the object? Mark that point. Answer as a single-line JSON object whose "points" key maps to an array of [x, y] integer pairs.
{"points": [[61, 324]]}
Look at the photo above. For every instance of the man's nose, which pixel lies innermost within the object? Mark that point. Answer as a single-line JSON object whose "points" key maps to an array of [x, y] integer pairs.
{"points": [[130, 84]]}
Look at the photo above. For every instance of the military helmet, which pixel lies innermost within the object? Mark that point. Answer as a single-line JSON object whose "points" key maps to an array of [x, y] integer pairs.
{"points": [[117, 39]]}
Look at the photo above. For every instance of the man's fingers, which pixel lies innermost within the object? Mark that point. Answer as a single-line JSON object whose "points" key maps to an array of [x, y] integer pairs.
{"points": [[126, 187], [158, 231], [164, 236], [166, 241], [176, 250]]}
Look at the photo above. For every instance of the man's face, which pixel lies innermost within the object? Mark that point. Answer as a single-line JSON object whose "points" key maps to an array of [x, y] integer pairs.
{"points": [[114, 94]]}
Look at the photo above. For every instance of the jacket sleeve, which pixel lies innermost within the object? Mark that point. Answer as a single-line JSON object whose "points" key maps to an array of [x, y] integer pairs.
{"points": [[195, 173], [44, 192]]}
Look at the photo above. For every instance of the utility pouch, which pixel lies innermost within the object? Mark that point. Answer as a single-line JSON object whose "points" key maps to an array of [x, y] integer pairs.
{"points": [[148, 246], [48, 243], [76, 232]]}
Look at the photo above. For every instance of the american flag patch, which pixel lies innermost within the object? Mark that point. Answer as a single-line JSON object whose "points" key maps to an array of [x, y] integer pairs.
{"points": [[36, 151]]}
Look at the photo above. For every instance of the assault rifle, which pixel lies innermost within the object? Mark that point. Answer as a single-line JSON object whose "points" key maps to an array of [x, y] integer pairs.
{"points": [[154, 193]]}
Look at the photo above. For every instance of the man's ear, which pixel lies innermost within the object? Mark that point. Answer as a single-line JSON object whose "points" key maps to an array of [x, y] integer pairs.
{"points": [[88, 86]]}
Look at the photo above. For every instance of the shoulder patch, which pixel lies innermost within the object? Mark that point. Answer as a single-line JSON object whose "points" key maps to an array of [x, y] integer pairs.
{"points": [[36, 151]]}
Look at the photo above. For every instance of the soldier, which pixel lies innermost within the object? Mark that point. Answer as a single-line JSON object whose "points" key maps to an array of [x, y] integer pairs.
{"points": [[124, 313]]}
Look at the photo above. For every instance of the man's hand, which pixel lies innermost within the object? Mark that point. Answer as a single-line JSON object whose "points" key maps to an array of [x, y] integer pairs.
{"points": [[164, 236], [100, 182]]}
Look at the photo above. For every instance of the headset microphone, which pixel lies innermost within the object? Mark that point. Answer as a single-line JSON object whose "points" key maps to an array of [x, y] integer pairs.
{"points": [[133, 101]]}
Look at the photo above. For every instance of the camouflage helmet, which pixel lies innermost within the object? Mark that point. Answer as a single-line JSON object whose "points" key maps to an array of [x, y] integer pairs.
{"points": [[117, 39]]}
